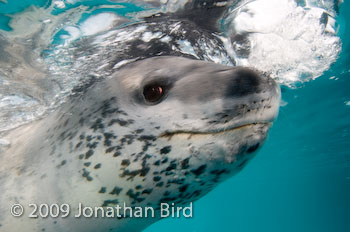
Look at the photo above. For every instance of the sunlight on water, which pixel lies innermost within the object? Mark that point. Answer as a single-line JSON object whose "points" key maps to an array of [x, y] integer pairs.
{"points": [[295, 43], [42, 43]]}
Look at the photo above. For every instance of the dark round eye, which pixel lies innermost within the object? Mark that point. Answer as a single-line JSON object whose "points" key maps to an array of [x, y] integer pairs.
{"points": [[153, 92]]}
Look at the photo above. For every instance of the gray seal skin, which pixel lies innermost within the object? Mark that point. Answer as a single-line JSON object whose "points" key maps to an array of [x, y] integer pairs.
{"points": [[162, 128]]}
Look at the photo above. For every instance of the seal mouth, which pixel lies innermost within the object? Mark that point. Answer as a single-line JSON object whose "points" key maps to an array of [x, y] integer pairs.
{"points": [[169, 134]]}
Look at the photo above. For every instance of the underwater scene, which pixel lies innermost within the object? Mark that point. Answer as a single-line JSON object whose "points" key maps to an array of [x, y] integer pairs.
{"points": [[184, 137]]}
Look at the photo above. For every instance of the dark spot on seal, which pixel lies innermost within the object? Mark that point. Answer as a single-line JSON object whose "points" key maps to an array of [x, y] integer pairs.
{"points": [[108, 137], [92, 145], [86, 174], [166, 193], [165, 150], [172, 166], [120, 122], [97, 166], [167, 199], [78, 144], [164, 160], [116, 190], [110, 202], [89, 138], [102, 190], [157, 178], [160, 184], [145, 169], [157, 163], [196, 193], [147, 191], [147, 137], [107, 110], [135, 196], [253, 148], [110, 149], [125, 162], [87, 164], [176, 181], [142, 172], [81, 121], [117, 153], [199, 170], [169, 173], [183, 188], [218, 172], [185, 163], [138, 131], [98, 124], [127, 139], [89, 153]]}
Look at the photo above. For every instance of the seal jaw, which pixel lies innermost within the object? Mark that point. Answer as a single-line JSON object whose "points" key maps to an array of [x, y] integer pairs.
{"points": [[231, 146], [169, 134]]}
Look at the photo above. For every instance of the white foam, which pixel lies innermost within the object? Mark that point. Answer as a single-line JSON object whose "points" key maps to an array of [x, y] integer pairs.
{"points": [[186, 47], [286, 40], [262, 16], [74, 33], [98, 23], [72, 1], [15, 101], [59, 4], [91, 26], [148, 36]]}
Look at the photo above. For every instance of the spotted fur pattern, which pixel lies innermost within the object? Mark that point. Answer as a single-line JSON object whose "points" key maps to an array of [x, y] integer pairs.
{"points": [[107, 145]]}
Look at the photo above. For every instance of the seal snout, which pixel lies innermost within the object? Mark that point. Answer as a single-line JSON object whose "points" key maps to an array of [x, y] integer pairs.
{"points": [[249, 96]]}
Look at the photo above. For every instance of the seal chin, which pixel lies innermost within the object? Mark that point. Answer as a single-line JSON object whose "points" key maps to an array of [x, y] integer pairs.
{"points": [[230, 145]]}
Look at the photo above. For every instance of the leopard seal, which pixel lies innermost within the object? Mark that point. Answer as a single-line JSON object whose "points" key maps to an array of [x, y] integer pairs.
{"points": [[163, 127]]}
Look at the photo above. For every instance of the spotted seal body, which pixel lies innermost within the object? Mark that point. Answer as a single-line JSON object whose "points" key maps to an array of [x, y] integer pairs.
{"points": [[159, 129]]}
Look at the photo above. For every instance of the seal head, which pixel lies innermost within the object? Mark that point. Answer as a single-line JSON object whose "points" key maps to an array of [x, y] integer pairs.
{"points": [[160, 130]]}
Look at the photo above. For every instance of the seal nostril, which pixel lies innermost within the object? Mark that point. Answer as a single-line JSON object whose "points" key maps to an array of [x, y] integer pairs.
{"points": [[244, 81], [253, 148]]}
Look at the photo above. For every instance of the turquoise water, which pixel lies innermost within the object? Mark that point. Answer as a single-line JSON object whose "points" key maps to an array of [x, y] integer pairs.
{"points": [[300, 180]]}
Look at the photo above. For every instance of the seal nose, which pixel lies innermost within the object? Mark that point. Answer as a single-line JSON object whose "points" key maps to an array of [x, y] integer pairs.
{"points": [[249, 91], [244, 82]]}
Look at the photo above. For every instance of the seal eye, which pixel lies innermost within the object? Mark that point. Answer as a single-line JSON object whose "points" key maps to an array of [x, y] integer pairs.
{"points": [[153, 93]]}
